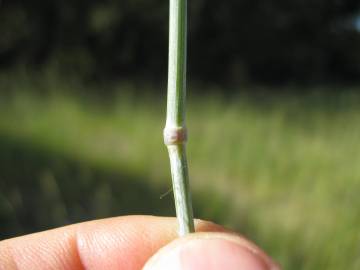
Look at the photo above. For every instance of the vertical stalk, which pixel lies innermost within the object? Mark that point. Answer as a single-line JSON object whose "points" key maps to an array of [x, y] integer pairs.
{"points": [[175, 134]]}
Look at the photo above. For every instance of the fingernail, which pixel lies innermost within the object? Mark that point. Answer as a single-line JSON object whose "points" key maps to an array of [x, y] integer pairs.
{"points": [[210, 254]]}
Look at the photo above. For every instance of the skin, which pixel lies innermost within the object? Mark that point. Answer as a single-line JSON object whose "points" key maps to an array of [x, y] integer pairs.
{"points": [[117, 243]]}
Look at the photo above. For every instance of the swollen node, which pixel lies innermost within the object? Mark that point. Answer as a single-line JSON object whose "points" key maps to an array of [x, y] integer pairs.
{"points": [[175, 135]]}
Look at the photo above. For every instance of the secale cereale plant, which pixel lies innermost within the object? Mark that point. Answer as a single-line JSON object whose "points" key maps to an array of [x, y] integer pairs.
{"points": [[175, 133]]}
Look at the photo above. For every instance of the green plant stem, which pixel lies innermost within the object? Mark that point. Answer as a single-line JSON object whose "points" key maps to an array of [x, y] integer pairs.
{"points": [[175, 130]]}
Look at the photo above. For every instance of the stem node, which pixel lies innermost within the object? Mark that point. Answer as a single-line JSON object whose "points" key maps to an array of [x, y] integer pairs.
{"points": [[175, 135]]}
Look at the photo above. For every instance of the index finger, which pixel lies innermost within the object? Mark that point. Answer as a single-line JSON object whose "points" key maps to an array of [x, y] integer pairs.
{"points": [[115, 243]]}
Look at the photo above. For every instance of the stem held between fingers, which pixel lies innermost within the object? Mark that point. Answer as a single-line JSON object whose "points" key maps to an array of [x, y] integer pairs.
{"points": [[175, 133]]}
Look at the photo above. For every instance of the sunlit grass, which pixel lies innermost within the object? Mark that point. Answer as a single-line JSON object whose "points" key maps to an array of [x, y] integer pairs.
{"points": [[284, 170]]}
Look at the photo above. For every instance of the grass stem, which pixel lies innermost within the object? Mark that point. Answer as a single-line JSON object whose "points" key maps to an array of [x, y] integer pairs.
{"points": [[175, 133]]}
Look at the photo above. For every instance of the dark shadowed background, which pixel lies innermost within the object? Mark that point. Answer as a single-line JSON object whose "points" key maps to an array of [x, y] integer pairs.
{"points": [[273, 116], [231, 41]]}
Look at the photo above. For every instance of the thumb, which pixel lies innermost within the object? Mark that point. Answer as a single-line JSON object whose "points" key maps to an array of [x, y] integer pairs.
{"points": [[211, 251]]}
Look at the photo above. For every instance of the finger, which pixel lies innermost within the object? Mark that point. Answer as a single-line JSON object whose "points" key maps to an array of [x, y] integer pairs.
{"points": [[116, 243], [211, 251]]}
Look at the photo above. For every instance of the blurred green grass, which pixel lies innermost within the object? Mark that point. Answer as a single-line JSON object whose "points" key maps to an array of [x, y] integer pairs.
{"points": [[282, 169]]}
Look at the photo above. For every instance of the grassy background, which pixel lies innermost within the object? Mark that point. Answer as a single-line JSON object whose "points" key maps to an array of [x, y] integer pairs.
{"points": [[282, 169]]}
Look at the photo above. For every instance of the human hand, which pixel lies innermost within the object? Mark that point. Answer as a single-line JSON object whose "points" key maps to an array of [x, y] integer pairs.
{"points": [[129, 243]]}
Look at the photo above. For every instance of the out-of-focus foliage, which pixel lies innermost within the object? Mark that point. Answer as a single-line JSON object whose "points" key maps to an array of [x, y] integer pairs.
{"points": [[282, 170], [231, 41]]}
